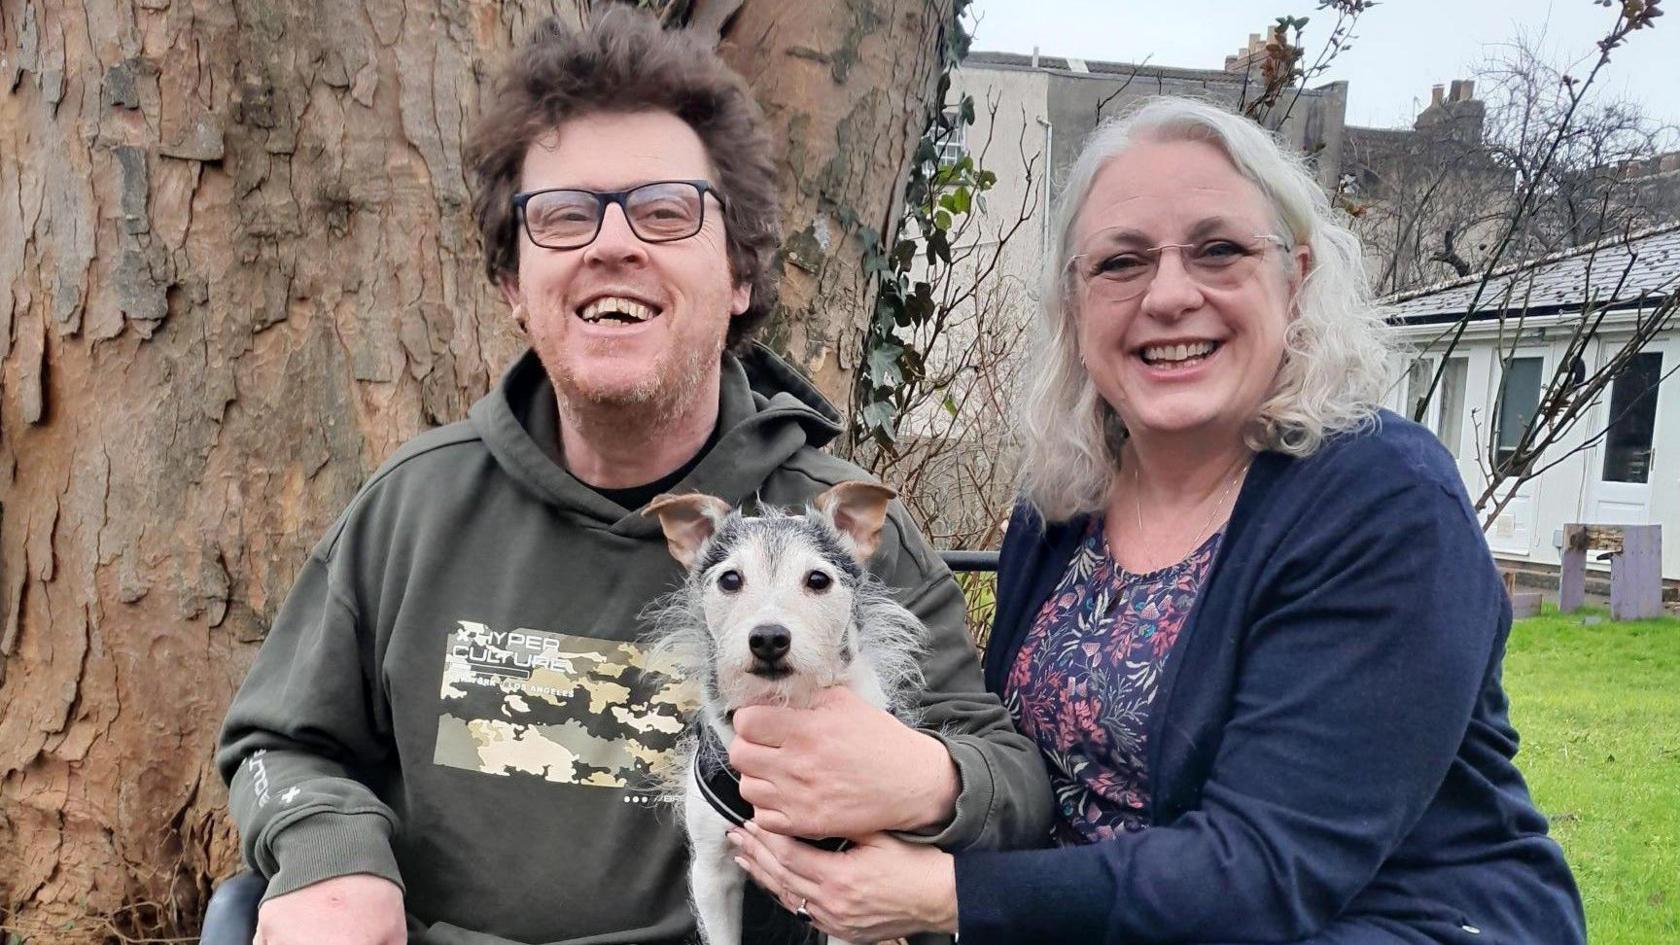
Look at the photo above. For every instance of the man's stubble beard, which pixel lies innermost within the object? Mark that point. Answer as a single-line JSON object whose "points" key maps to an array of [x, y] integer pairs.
{"points": [[657, 399]]}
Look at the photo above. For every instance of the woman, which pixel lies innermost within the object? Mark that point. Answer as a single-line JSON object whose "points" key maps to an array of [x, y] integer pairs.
{"points": [[1249, 618]]}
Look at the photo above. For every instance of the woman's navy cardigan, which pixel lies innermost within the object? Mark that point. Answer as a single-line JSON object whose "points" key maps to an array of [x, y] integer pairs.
{"points": [[1329, 752]]}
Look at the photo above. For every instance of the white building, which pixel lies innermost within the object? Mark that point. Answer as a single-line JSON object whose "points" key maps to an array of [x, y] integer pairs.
{"points": [[1621, 463], [1033, 113]]}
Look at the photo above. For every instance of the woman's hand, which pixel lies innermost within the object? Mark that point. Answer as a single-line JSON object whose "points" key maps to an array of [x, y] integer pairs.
{"points": [[879, 888], [841, 768]]}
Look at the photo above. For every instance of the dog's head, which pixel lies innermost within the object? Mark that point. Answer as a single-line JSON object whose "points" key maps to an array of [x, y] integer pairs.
{"points": [[777, 592]]}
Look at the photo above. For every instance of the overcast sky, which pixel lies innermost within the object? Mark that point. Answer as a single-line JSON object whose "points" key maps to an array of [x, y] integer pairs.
{"points": [[1402, 46]]}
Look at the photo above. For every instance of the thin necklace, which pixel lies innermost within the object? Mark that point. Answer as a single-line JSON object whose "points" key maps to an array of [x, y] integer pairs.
{"points": [[1137, 503]]}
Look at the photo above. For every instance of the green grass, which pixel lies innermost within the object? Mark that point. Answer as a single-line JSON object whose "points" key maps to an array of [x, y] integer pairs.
{"points": [[1598, 707]]}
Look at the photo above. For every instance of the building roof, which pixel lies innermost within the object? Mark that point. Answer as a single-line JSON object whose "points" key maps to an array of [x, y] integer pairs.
{"points": [[1559, 282], [1109, 70], [1379, 134]]}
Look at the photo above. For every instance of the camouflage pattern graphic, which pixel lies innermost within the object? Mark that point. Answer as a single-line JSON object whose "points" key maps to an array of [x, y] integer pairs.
{"points": [[564, 708]]}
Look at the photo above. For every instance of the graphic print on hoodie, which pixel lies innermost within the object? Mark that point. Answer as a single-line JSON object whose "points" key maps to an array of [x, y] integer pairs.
{"points": [[566, 708]]}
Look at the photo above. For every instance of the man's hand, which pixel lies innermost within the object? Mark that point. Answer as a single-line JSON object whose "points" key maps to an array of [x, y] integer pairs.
{"points": [[360, 909], [841, 768]]}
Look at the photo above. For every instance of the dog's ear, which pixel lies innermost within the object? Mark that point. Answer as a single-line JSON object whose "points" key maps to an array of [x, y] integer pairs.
{"points": [[689, 522], [857, 510]]}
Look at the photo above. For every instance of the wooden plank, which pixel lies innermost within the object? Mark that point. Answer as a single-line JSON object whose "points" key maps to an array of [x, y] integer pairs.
{"points": [[1572, 576], [1579, 537], [1636, 574], [1525, 604], [1606, 537]]}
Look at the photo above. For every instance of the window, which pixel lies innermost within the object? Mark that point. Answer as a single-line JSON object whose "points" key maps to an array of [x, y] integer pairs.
{"points": [[1418, 377], [1519, 397], [1445, 414], [955, 144], [1450, 398], [1633, 417]]}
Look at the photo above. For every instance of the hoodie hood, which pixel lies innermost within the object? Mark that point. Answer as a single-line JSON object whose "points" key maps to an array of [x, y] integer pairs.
{"points": [[771, 378], [767, 412]]}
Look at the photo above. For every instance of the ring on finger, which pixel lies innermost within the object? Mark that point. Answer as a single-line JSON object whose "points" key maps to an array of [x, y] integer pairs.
{"points": [[804, 916]]}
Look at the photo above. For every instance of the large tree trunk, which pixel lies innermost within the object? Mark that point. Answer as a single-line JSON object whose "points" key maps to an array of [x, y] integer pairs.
{"points": [[847, 84], [240, 269]]}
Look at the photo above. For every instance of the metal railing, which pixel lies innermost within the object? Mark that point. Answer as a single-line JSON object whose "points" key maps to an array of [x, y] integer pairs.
{"points": [[970, 560]]}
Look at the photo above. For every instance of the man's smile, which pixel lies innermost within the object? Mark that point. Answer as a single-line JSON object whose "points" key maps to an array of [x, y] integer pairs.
{"points": [[618, 309]]}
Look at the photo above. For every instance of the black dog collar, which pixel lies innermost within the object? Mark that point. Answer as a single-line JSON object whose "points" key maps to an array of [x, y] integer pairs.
{"points": [[722, 788]]}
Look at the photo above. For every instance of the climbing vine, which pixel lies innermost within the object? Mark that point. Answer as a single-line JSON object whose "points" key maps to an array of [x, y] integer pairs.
{"points": [[944, 187]]}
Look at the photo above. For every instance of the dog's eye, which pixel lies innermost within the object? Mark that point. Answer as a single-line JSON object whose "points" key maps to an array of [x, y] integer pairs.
{"points": [[730, 581], [818, 581]]}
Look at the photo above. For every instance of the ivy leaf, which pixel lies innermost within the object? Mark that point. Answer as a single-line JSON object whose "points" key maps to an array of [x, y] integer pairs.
{"points": [[938, 246], [878, 418], [883, 364], [936, 239], [917, 310], [904, 253], [911, 363], [920, 303], [903, 314], [949, 403], [892, 292]]}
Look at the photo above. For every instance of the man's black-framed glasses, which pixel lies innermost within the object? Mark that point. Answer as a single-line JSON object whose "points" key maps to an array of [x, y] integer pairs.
{"points": [[658, 212]]}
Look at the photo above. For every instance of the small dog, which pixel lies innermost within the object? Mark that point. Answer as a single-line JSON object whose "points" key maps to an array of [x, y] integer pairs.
{"points": [[775, 608]]}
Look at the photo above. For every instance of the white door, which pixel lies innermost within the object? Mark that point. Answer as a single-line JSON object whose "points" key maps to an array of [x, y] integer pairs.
{"points": [[1516, 398], [1621, 493]]}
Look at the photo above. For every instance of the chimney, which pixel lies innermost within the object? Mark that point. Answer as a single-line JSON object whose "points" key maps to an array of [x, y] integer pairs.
{"points": [[1247, 56], [1435, 96], [1035, 57], [1463, 90]]}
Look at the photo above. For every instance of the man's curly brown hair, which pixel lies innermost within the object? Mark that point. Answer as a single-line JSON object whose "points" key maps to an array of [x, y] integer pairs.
{"points": [[624, 62]]}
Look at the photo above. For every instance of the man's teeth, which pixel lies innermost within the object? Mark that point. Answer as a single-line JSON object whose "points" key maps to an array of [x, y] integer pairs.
{"points": [[626, 309], [1156, 354]]}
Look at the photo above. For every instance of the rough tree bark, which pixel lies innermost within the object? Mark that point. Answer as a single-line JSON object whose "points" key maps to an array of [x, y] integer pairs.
{"points": [[847, 84], [239, 269]]}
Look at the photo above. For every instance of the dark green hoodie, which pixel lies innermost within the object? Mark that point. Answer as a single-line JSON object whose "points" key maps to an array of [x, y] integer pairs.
{"points": [[452, 696]]}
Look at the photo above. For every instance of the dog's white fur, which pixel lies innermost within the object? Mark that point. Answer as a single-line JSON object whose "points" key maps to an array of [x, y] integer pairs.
{"points": [[851, 633]]}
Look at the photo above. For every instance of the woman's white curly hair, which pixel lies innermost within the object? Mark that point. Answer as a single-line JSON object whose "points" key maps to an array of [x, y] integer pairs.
{"points": [[1337, 349]]}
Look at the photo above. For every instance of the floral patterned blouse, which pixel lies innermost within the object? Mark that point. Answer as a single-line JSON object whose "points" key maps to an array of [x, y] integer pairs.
{"points": [[1086, 676]]}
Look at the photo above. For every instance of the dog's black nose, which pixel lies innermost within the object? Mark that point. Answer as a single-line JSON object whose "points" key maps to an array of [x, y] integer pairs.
{"points": [[769, 641]]}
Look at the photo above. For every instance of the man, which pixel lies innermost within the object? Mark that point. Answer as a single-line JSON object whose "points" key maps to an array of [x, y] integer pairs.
{"points": [[448, 732]]}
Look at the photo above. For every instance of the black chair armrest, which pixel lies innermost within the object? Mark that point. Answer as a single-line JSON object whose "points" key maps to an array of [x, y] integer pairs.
{"points": [[231, 917]]}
